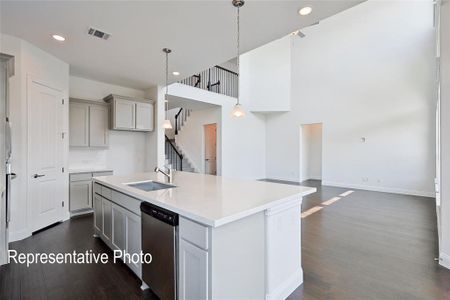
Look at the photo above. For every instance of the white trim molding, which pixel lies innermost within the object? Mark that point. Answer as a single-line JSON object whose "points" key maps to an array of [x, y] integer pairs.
{"points": [[379, 189], [444, 260]]}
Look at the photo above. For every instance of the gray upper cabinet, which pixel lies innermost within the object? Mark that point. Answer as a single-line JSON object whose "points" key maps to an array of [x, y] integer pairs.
{"points": [[88, 124], [98, 126], [79, 124], [144, 116], [132, 114], [124, 114]]}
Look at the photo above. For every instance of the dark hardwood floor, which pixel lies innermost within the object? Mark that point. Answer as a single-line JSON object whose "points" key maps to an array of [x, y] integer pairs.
{"points": [[367, 245]]}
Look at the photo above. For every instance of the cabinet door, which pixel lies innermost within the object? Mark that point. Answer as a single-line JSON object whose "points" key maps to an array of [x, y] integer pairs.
{"points": [[80, 195], [98, 126], [133, 238], [98, 214], [144, 116], [78, 125], [119, 227], [124, 114], [193, 272], [107, 220]]}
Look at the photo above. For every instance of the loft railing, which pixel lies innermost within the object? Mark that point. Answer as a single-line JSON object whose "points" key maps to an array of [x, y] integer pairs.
{"points": [[216, 79], [173, 156]]}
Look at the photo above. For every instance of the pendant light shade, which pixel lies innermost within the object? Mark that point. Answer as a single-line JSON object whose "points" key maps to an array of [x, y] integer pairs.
{"points": [[238, 111], [167, 124]]}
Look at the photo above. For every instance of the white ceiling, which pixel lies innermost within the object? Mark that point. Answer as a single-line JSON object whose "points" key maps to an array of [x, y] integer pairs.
{"points": [[200, 33]]}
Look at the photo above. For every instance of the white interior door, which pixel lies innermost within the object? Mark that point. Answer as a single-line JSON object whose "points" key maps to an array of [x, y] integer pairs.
{"points": [[3, 233], [211, 149], [45, 155]]}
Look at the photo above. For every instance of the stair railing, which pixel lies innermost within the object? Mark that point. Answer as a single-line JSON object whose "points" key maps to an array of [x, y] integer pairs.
{"points": [[216, 79], [178, 121], [175, 158]]}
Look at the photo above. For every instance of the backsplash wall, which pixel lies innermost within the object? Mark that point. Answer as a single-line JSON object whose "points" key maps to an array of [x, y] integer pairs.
{"points": [[127, 150]]}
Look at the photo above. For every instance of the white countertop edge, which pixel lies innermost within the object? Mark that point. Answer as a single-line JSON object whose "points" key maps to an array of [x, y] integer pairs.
{"points": [[206, 221], [82, 171]]}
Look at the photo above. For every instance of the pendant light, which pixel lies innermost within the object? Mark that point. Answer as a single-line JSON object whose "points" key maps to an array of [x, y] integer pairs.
{"points": [[167, 124], [238, 111]]}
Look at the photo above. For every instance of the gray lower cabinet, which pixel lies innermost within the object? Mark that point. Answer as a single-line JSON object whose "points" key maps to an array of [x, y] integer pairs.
{"points": [[117, 226], [107, 219], [80, 195], [98, 215], [80, 191]]}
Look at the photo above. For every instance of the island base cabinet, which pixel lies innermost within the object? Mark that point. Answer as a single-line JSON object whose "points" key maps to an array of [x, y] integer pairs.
{"points": [[126, 235], [133, 240], [107, 220], [284, 271], [119, 228], [193, 272], [98, 215]]}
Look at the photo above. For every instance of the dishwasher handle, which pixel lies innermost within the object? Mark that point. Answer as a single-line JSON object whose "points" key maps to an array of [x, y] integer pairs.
{"points": [[159, 213]]}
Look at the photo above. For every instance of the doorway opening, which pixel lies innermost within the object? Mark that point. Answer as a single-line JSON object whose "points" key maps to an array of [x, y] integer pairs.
{"points": [[311, 152], [210, 138]]}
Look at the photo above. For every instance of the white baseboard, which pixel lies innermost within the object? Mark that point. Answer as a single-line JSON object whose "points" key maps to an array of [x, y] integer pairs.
{"points": [[18, 235], [379, 189], [286, 288], [444, 260]]}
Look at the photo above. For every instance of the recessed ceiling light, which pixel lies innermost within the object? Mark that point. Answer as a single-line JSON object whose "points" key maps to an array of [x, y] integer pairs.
{"points": [[305, 11], [59, 38], [176, 73]]}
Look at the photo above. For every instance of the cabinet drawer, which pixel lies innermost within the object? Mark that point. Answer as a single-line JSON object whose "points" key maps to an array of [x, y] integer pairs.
{"points": [[97, 189], [80, 177], [194, 233], [106, 192], [98, 174], [130, 203]]}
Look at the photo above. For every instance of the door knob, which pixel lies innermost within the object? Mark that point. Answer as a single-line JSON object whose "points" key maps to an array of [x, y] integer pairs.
{"points": [[38, 175]]}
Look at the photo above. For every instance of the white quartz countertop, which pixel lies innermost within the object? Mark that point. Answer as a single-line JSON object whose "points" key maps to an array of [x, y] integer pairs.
{"points": [[209, 200]]}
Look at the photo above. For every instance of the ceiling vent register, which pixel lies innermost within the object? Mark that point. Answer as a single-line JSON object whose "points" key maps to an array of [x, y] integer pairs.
{"points": [[98, 34]]}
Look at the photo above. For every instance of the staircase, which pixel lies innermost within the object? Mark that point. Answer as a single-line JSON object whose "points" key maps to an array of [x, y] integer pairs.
{"points": [[174, 154]]}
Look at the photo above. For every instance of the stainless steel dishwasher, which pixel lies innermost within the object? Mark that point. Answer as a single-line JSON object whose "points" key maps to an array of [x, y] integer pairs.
{"points": [[159, 238]]}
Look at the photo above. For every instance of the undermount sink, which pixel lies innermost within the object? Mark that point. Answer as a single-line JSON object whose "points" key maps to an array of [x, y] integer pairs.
{"points": [[150, 185]]}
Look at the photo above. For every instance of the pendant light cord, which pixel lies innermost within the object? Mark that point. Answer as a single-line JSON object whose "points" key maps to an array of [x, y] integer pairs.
{"points": [[166, 102], [238, 48]]}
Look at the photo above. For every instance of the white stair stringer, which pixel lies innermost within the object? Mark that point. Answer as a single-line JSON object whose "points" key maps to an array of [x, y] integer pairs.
{"points": [[188, 164]]}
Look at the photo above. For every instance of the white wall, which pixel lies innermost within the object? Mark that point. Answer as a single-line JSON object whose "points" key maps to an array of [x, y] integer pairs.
{"points": [[29, 61], [265, 75], [366, 72], [243, 140], [191, 138], [311, 152], [127, 150], [445, 135]]}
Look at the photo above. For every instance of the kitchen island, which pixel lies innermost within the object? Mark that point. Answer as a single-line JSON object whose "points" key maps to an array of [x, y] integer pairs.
{"points": [[237, 239]]}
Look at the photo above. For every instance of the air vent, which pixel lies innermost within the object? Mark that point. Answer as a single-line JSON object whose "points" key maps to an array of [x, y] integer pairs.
{"points": [[99, 34]]}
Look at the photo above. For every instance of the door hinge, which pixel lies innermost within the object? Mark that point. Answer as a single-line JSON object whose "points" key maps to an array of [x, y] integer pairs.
{"points": [[62, 204], [62, 135], [62, 101], [62, 169]]}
